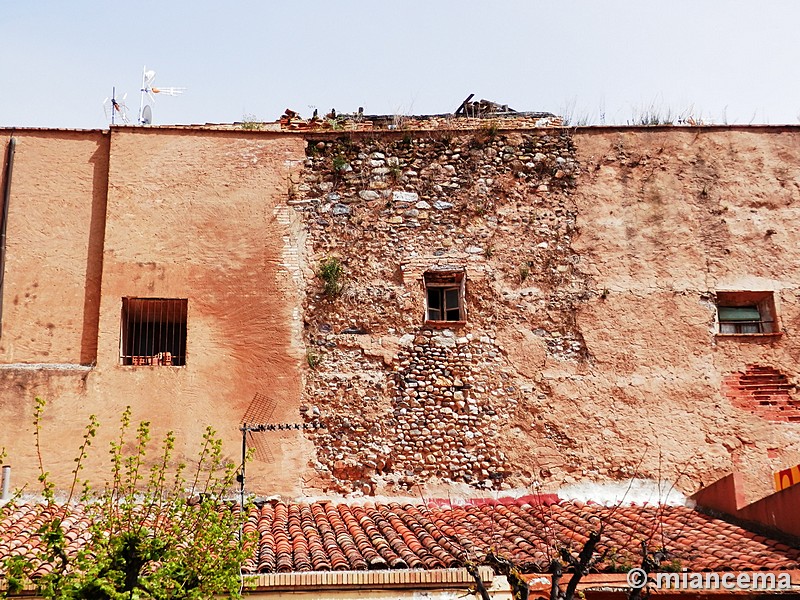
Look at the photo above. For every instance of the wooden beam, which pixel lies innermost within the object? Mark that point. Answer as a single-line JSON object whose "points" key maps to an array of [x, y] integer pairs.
{"points": [[460, 109]]}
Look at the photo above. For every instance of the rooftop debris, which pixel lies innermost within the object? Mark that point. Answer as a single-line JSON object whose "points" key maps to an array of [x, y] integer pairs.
{"points": [[484, 108], [467, 116]]}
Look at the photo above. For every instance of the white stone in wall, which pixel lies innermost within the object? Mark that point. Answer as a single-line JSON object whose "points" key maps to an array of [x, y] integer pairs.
{"points": [[409, 197]]}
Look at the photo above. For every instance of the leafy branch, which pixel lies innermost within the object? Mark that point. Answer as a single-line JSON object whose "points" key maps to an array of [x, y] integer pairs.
{"points": [[151, 534]]}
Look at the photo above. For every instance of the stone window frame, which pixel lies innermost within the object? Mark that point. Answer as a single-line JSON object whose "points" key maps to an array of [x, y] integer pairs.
{"points": [[767, 322], [441, 279], [153, 332]]}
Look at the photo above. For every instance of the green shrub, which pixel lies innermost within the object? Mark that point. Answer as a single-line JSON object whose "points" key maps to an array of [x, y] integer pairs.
{"points": [[155, 531], [331, 272], [251, 123], [524, 271], [339, 162], [314, 359]]}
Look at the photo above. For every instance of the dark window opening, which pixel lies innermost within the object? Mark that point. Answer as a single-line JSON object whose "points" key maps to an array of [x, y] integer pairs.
{"points": [[153, 332], [443, 304], [444, 295], [745, 313]]}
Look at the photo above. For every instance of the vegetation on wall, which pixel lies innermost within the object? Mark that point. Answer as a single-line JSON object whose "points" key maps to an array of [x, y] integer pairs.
{"points": [[331, 272], [251, 123]]}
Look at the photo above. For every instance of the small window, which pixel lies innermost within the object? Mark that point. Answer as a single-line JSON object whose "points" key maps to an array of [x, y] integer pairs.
{"points": [[444, 296], [153, 332], [746, 313]]}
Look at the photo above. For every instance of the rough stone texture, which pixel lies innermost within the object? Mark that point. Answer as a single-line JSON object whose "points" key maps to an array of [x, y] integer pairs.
{"points": [[590, 277], [437, 408], [592, 261]]}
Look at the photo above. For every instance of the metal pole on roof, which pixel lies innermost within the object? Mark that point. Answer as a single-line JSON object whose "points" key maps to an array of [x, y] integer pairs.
{"points": [[244, 459], [141, 94], [6, 482], [245, 428]]}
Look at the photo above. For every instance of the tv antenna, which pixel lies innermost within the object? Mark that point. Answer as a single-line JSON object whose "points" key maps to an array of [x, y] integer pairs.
{"points": [[116, 108], [263, 407], [149, 90]]}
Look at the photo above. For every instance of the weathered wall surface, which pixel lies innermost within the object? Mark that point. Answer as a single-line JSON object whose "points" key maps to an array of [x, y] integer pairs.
{"points": [[667, 218], [405, 403], [592, 263], [592, 259], [203, 217], [54, 236], [197, 216]]}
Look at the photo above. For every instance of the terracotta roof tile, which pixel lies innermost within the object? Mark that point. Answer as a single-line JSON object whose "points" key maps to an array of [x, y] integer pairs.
{"points": [[323, 536]]}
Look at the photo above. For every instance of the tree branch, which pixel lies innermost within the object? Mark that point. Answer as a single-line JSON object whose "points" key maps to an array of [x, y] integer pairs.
{"points": [[472, 569], [584, 562]]}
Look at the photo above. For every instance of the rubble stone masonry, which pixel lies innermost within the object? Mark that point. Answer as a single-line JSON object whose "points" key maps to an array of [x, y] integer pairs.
{"points": [[587, 346], [568, 366], [389, 208]]}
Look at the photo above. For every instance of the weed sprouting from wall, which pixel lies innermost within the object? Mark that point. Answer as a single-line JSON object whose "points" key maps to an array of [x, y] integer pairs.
{"points": [[251, 123], [524, 271], [331, 271], [314, 359], [486, 133]]}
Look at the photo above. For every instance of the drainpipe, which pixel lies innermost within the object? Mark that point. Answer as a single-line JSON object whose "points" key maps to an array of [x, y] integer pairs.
{"points": [[6, 482], [12, 143]]}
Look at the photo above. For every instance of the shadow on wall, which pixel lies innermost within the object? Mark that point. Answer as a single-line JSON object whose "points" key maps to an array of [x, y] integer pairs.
{"points": [[94, 257]]}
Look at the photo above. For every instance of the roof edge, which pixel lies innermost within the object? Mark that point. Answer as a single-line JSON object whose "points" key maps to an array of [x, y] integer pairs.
{"points": [[383, 579]]}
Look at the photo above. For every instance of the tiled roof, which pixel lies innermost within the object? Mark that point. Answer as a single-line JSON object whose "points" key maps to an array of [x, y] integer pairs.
{"points": [[328, 536]]}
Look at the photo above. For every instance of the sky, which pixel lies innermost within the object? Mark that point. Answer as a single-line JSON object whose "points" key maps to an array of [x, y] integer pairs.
{"points": [[608, 62]]}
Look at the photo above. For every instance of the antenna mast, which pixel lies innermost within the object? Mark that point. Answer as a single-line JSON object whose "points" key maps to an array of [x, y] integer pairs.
{"points": [[251, 427], [143, 91], [145, 110], [112, 106]]}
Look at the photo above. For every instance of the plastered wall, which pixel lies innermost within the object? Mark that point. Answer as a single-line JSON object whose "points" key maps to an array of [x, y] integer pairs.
{"points": [[592, 261], [187, 215]]}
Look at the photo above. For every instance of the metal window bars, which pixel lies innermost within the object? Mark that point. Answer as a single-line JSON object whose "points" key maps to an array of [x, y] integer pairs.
{"points": [[744, 327], [153, 331]]}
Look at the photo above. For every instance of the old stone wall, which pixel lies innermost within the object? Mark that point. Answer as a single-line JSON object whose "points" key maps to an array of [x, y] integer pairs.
{"points": [[424, 404], [589, 350]]}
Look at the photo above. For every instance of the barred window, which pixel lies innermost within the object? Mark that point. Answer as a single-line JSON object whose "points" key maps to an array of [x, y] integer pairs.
{"points": [[153, 332]]}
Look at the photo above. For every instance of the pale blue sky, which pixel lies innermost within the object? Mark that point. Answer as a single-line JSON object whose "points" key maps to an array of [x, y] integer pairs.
{"points": [[718, 59]]}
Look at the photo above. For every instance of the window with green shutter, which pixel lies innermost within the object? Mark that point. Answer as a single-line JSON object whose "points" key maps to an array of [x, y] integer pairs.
{"points": [[746, 312]]}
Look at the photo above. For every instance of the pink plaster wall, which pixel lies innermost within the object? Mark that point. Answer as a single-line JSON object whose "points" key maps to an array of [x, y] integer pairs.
{"points": [[188, 215], [54, 238], [776, 511]]}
